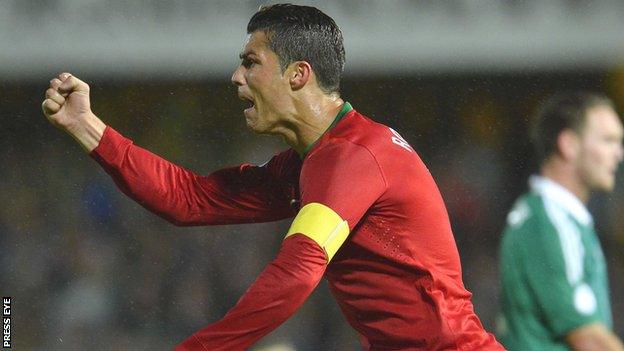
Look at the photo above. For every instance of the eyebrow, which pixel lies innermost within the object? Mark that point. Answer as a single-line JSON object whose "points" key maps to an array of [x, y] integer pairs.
{"points": [[244, 55]]}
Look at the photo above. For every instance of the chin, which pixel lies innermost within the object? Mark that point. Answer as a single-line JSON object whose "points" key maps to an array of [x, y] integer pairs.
{"points": [[251, 123], [609, 186], [606, 185], [251, 127], [254, 127]]}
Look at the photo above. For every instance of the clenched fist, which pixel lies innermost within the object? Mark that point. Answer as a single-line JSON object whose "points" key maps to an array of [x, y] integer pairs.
{"points": [[67, 106]]}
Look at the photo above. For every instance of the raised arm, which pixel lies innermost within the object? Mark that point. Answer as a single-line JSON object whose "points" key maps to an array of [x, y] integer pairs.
{"points": [[67, 106], [234, 195]]}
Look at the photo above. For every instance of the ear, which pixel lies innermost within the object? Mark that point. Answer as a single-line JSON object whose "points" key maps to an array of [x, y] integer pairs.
{"points": [[299, 72], [569, 144]]}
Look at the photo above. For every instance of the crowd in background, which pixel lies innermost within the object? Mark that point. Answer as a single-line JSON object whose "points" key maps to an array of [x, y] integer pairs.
{"points": [[90, 269]]}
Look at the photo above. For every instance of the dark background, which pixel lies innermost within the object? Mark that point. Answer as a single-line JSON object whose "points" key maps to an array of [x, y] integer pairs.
{"points": [[89, 269]]}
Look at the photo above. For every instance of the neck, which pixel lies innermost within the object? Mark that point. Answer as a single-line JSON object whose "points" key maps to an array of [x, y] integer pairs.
{"points": [[308, 120], [565, 175]]}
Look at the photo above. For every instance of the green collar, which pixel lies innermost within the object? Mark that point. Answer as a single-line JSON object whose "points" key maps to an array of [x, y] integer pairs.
{"points": [[346, 107]]}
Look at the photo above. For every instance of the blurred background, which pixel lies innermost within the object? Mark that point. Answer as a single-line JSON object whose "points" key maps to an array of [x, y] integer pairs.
{"points": [[88, 269]]}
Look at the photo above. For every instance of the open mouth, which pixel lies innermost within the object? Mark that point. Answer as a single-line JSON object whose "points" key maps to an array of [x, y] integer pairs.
{"points": [[252, 104]]}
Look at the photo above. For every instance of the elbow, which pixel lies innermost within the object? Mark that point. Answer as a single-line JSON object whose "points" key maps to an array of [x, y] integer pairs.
{"points": [[192, 221], [307, 284], [299, 278], [300, 290], [179, 219], [179, 222], [187, 216]]}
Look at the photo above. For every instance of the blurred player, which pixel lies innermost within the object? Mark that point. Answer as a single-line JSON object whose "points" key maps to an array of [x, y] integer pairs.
{"points": [[367, 214], [554, 277]]}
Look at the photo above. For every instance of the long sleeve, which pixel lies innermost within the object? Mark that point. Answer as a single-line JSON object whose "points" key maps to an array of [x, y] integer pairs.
{"points": [[240, 194], [313, 239], [278, 292]]}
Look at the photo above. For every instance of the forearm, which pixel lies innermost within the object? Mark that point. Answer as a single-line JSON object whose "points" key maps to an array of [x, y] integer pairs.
{"points": [[594, 337], [610, 343], [279, 291], [162, 187]]}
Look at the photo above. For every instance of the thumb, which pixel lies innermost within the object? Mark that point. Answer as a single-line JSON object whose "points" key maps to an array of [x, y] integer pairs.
{"points": [[72, 84]]}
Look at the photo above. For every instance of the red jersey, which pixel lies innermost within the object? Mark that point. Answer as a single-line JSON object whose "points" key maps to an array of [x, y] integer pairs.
{"points": [[396, 277]]}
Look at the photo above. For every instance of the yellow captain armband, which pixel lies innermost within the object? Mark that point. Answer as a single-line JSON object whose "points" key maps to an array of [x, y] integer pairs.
{"points": [[321, 224]]}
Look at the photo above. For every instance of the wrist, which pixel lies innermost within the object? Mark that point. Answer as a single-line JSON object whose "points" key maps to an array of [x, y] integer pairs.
{"points": [[88, 132]]}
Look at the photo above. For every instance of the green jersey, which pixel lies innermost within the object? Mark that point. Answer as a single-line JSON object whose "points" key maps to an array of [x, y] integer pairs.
{"points": [[553, 271]]}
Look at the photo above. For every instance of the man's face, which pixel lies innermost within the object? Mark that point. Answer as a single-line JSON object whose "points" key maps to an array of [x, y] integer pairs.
{"points": [[261, 83], [600, 150]]}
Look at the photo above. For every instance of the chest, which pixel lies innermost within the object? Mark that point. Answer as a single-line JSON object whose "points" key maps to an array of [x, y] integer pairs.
{"points": [[593, 258], [291, 188]]}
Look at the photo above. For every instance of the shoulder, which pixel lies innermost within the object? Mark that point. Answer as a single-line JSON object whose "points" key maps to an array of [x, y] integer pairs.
{"points": [[340, 148], [535, 238], [341, 156], [363, 131], [382, 142], [529, 222], [341, 163]]}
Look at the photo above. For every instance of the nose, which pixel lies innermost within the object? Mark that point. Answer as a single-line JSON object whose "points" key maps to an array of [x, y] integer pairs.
{"points": [[238, 78]]}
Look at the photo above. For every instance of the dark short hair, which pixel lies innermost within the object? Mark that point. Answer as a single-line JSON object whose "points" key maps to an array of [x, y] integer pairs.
{"points": [[303, 33], [560, 112]]}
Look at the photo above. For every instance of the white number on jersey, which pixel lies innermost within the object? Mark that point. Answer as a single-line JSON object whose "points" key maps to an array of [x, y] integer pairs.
{"points": [[398, 139]]}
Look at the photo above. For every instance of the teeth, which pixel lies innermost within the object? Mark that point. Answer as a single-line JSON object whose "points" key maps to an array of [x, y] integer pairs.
{"points": [[248, 99]]}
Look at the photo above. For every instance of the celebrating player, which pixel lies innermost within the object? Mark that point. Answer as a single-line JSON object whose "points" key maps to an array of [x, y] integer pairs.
{"points": [[554, 278], [367, 213]]}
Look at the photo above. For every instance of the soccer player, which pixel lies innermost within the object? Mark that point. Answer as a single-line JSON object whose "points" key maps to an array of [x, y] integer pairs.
{"points": [[367, 213], [554, 277]]}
